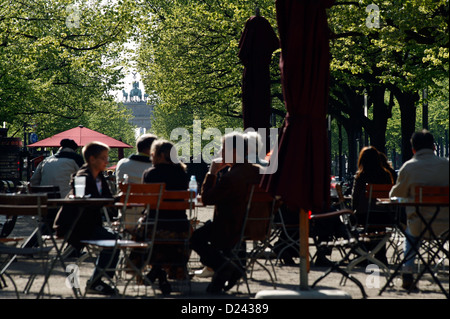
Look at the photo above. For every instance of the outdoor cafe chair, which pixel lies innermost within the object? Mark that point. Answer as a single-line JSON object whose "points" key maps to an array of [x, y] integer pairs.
{"points": [[379, 227], [144, 197], [347, 244], [354, 243], [153, 197], [24, 205], [435, 198], [176, 201], [256, 230], [433, 250]]}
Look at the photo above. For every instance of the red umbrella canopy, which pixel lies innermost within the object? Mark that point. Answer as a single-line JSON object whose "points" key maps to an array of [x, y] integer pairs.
{"points": [[303, 175], [82, 136]]}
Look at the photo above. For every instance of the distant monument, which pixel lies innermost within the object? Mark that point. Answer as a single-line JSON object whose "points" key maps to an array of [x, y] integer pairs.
{"points": [[136, 102], [125, 95], [136, 93]]}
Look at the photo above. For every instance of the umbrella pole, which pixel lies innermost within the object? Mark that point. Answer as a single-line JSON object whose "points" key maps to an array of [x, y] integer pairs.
{"points": [[304, 250]]}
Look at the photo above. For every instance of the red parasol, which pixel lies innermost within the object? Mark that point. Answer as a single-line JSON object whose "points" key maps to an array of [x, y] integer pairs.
{"points": [[82, 136]]}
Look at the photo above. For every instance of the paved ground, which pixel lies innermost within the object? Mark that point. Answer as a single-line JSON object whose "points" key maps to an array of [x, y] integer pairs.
{"points": [[287, 280]]}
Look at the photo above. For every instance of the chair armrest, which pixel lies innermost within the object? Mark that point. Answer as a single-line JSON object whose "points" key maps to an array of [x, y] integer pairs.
{"points": [[332, 214]]}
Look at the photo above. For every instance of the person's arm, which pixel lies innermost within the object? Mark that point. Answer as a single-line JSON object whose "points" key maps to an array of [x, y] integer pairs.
{"points": [[401, 188], [214, 192], [35, 180]]}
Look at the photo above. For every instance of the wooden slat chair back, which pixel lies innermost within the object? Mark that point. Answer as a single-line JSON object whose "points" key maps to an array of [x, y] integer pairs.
{"points": [[52, 191], [431, 194], [176, 200], [23, 204], [136, 197], [147, 194], [374, 191], [259, 213]]}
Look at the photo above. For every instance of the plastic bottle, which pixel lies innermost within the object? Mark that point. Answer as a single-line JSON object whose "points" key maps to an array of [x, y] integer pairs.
{"points": [[193, 187]]}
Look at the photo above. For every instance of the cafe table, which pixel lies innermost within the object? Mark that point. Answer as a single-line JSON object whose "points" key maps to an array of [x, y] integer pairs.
{"points": [[403, 202], [81, 204]]}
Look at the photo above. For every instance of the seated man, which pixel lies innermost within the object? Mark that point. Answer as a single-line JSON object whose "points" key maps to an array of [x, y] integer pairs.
{"points": [[215, 240], [135, 165], [424, 168]]}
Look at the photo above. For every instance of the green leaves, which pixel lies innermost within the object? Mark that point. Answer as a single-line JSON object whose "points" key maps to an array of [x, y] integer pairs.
{"points": [[59, 59], [188, 56]]}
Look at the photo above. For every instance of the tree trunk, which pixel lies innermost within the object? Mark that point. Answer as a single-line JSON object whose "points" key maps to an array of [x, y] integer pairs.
{"points": [[407, 102], [381, 114]]}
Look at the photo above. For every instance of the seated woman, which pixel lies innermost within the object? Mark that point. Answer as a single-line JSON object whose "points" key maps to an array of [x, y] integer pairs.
{"points": [[171, 224], [372, 171]]}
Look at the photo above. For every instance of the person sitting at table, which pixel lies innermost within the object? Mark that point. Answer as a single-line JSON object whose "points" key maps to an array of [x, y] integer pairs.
{"points": [[371, 171], [214, 241], [90, 223], [167, 260], [56, 170], [135, 165], [424, 168]]}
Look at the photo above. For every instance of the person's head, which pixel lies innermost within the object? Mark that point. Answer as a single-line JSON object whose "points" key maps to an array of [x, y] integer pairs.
{"points": [[164, 152], [234, 148], [384, 160], [369, 158], [254, 144], [96, 156], [68, 143], [422, 140], [144, 143]]}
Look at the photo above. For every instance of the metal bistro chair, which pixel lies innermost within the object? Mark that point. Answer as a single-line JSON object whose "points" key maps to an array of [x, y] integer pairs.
{"points": [[52, 191], [178, 269], [23, 205], [141, 196], [433, 250], [256, 230], [345, 244], [379, 227], [433, 245]]}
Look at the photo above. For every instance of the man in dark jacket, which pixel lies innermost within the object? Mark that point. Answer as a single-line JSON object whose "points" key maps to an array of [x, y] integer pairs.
{"points": [[216, 238]]}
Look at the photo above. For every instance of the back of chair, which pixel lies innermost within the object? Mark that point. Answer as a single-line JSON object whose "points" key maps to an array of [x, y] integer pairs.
{"points": [[23, 204], [142, 194], [259, 213], [52, 191], [176, 200], [432, 194], [374, 191]]}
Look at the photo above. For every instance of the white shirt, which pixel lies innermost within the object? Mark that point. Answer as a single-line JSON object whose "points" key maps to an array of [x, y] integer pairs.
{"points": [[424, 168]]}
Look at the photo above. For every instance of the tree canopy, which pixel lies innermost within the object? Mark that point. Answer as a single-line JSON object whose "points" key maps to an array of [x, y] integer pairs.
{"points": [[60, 59], [58, 62]]}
